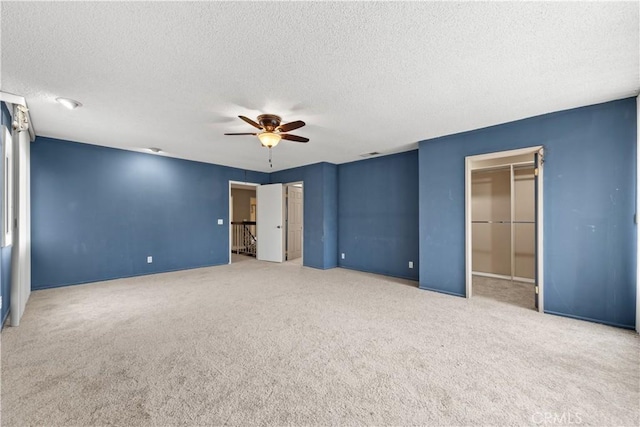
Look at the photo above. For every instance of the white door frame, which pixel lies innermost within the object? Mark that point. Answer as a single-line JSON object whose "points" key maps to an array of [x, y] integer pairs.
{"points": [[468, 167], [252, 184]]}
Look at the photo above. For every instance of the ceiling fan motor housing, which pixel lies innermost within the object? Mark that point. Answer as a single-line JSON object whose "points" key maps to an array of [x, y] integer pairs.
{"points": [[269, 121]]}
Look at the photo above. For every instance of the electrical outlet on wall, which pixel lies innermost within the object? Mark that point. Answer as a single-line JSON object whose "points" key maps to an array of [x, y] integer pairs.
{"points": [[149, 259], [220, 222], [0, 302], [410, 264], [342, 255]]}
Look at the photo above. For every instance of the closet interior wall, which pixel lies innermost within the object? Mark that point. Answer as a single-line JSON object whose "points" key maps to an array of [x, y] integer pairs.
{"points": [[503, 219]]}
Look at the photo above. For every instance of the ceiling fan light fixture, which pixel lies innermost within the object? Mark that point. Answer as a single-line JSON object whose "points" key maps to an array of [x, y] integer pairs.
{"points": [[269, 139], [71, 104]]}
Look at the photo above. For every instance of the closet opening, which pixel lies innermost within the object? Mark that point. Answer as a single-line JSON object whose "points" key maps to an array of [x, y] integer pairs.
{"points": [[503, 215], [294, 228]]}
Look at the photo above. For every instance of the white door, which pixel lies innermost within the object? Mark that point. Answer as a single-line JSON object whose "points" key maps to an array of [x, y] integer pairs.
{"points": [[269, 222], [294, 222], [21, 253]]}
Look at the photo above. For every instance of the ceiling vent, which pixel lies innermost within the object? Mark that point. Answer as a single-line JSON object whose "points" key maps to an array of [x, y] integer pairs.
{"points": [[371, 154]]}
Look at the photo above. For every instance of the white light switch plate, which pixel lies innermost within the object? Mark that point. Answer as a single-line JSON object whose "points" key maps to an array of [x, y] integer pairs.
{"points": [[149, 259], [220, 222]]}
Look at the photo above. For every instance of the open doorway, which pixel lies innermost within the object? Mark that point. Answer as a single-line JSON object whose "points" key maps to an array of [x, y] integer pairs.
{"points": [[243, 207], [266, 222], [503, 214]]}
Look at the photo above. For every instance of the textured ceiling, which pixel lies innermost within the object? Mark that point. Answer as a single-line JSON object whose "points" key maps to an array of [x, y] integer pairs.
{"points": [[364, 76]]}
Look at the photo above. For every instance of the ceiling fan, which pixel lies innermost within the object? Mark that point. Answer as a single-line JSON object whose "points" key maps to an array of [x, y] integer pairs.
{"points": [[272, 130]]}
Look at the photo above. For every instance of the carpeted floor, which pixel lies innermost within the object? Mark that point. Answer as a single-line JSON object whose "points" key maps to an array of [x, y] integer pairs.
{"points": [[241, 258], [505, 291], [255, 343]]}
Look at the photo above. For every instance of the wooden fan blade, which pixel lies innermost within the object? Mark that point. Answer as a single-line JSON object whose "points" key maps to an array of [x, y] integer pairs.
{"points": [[251, 122], [240, 133], [287, 127], [295, 138]]}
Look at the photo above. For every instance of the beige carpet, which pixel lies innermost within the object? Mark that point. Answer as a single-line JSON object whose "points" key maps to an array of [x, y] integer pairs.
{"points": [[505, 291], [255, 343], [241, 258]]}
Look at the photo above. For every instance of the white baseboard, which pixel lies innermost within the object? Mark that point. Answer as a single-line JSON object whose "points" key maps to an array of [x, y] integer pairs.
{"points": [[502, 276]]}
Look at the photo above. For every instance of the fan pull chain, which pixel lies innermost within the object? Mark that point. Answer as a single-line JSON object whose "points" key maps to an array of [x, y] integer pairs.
{"points": [[270, 163]]}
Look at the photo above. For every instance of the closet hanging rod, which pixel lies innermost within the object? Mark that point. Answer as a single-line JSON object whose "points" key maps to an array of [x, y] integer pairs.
{"points": [[503, 222], [506, 166]]}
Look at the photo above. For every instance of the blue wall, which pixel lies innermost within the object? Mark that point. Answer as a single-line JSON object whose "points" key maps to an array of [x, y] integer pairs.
{"points": [[97, 213], [330, 214], [320, 222], [589, 205], [378, 215], [5, 253]]}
